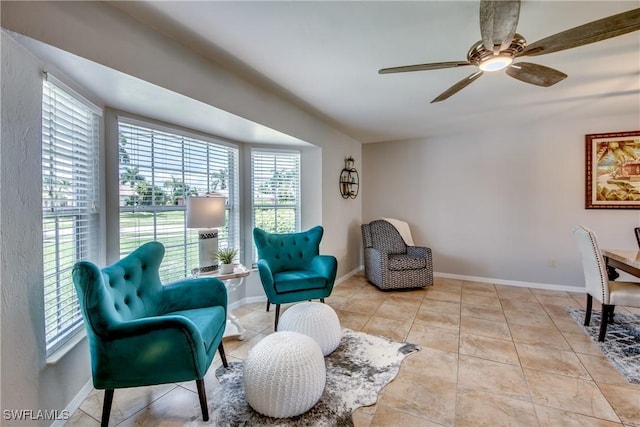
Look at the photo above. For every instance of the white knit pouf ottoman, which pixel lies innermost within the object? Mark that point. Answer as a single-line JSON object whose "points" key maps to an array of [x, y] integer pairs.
{"points": [[284, 375], [315, 319]]}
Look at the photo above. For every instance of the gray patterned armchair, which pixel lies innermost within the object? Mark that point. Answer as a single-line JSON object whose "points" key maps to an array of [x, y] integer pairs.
{"points": [[389, 263]]}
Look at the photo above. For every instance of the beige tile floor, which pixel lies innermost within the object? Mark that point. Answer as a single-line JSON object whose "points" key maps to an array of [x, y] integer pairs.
{"points": [[491, 355]]}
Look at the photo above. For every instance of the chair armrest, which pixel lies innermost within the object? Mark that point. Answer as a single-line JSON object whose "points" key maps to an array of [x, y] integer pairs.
{"points": [[188, 294], [377, 255], [146, 325], [418, 251], [161, 348], [326, 266], [266, 277], [373, 252]]}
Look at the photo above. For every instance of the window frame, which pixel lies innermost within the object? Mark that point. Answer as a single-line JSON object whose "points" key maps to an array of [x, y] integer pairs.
{"points": [[190, 241], [70, 149], [297, 206]]}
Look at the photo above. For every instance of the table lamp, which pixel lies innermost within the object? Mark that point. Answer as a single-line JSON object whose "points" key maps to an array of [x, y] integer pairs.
{"points": [[206, 213]]}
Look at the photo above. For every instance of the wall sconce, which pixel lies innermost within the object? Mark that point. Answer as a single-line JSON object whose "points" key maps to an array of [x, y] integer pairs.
{"points": [[206, 213], [349, 179]]}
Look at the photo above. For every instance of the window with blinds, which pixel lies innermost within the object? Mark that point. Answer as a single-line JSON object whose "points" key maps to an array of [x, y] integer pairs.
{"points": [[159, 169], [70, 138], [275, 184]]}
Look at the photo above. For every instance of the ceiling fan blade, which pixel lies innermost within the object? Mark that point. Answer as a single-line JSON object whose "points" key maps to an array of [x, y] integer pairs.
{"points": [[595, 31], [535, 74], [498, 22], [458, 86], [422, 67]]}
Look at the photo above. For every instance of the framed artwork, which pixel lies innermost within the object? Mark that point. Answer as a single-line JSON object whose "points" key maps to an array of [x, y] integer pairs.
{"points": [[613, 170]]}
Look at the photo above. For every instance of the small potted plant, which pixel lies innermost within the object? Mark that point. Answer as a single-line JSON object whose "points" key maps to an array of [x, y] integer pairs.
{"points": [[226, 256]]}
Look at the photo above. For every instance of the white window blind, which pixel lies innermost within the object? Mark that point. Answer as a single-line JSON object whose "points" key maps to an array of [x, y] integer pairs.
{"points": [[70, 137], [275, 184], [159, 169]]}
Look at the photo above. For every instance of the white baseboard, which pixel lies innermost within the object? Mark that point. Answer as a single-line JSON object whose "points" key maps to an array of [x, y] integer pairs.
{"points": [[521, 284], [249, 300], [349, 275], [548, 286], [75, 403]]}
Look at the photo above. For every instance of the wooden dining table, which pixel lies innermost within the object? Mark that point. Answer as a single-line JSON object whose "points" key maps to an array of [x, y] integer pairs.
{"points": [[627, 261]]}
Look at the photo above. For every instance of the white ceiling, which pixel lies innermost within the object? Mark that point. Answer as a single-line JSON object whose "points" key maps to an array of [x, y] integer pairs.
{"points": [[324, 55], [327, 55], [108, 87]]}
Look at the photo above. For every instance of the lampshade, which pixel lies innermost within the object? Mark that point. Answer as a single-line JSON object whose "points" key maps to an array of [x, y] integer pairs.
{"points": [[206, 211]]}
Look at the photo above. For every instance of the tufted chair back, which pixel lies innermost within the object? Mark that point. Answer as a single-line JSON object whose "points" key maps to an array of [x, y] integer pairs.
{"points": [[288, 251], [382, 235], [141, 332], [129, 289], [595, 271]]}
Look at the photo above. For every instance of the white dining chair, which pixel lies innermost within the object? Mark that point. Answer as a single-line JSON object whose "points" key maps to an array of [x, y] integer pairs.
{"points": [[608, 292]]}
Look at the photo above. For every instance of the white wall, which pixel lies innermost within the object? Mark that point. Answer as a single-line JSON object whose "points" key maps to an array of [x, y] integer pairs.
{"points": [[98, 32], [499, 203], [27, 382], [101, 33]]}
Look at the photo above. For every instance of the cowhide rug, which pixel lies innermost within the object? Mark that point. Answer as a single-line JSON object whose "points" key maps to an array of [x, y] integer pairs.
{"points": [[356, 372]]}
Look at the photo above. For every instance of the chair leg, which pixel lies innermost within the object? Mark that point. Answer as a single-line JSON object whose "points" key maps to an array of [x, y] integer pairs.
{"points": [[587, 312], [106, 407], [268, 305], [611, 314], [275, 327], [202, 394], [606, 310], [222, 356], [322, 300]]}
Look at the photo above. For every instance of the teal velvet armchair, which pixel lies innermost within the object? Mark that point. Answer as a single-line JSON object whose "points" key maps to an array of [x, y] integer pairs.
{"points": [[291, 268], [142, 332]]}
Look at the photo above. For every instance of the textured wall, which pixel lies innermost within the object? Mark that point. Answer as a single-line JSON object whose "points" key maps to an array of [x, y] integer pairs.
{"points": [[27, 382], [98, 32], [499, 203], [105, 35], [20, 218]]}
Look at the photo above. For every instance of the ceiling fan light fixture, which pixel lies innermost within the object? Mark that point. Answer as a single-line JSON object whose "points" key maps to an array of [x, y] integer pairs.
{"points": [[496, 63]]}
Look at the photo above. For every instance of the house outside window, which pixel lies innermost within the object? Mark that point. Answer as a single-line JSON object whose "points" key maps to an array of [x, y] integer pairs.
{"points": [[70, 186], [275, 186], [158, 169]]}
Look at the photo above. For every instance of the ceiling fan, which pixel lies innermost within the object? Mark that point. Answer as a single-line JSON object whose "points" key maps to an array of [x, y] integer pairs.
{"points": [[500, 45]]}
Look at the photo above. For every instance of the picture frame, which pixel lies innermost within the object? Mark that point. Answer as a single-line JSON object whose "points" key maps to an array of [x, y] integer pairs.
{"points": [[612, 170]]}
